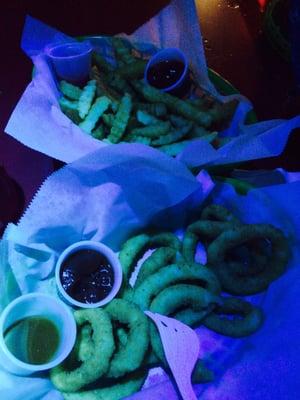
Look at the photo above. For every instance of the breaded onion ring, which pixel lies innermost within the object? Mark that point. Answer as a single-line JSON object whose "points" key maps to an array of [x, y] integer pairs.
{"points": [[97, 364], [125, 387], [159, 258], [167, 302], [251, 321], [201, 230], [134, 247], [173, 298], [129, 357], [172, 274], [215, 212], [231, 280]]}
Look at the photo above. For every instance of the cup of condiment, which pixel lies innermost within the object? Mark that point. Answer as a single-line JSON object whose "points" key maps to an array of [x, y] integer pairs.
{"points": [[37, 332], [168, 70], [71, 60], [88, 274]]}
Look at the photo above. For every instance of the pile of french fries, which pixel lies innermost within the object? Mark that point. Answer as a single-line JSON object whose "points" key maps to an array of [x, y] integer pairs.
{"points": [[116, 105]]}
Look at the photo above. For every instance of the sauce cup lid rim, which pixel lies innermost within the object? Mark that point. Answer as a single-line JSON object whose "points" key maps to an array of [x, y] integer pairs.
{"points": [[86, 48]]}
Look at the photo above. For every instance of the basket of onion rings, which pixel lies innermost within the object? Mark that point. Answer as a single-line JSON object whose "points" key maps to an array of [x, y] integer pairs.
{"points": [[214, 273], [242, 260]]}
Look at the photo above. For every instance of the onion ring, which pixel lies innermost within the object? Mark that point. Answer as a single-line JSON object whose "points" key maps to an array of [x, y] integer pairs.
{"points": [[231, 281], [201, 230], [171, 274], [125, 387], [95, 366], [129, 357], [134, 247], [252, 318], [166, 303], [159, 258], [215, 212]]}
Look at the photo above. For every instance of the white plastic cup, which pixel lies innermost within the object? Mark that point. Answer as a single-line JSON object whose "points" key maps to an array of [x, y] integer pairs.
{"points": [[71, 61], [39, 305], [169, 54], [102, 249]]}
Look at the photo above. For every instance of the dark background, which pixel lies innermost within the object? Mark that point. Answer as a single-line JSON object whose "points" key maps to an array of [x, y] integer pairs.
{"points": [[235, 45]]}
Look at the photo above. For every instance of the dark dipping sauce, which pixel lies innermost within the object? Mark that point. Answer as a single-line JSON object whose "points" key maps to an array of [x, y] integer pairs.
{"points": [[165, 73], [87, 276]]}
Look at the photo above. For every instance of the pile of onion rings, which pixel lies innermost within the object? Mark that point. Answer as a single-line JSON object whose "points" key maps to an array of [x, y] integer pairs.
{"points": [[116, 345]]}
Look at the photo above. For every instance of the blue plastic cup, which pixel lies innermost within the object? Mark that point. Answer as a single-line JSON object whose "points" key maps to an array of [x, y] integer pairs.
{"points": [[71, 61]]}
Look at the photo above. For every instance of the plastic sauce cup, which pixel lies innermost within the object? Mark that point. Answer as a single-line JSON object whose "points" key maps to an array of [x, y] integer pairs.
{"points": [[71, 61], [103, 250], [37, 305], [182, 85]]}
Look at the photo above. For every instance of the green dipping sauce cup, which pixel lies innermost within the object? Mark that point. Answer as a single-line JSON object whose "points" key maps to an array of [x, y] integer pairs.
{"points": [[37, 332]]}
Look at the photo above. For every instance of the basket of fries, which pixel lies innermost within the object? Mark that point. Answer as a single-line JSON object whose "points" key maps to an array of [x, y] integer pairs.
{"points": [[116, 105]]}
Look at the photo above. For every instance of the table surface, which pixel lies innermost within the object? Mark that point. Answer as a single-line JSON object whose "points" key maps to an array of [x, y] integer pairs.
{"points": [[234, 43]]}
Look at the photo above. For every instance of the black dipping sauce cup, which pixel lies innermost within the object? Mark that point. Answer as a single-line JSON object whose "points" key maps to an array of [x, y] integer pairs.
{"points": [[168, 71], [88, 274]]}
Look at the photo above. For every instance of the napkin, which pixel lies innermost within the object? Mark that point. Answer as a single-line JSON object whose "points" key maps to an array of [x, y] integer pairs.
{"points": [[38, 122]]}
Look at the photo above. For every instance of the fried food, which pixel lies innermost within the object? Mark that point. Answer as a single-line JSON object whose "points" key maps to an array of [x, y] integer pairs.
{"points": [[173, 136], [123, 388], [70, 108], [247, 284], [201, 230], [129, 357], [169, 282], [215, 212], [170, 275], [140, 112], [121, 120], [71, 91], [86, 98], [174, 104], [250, 318], [159, 258], [97, 362], [98, 108], [152, 131], [173, 298], [136, 246]]}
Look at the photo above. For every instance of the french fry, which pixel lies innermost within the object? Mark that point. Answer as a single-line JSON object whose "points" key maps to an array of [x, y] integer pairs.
{"points": [[176, 105], [152, 131], [134, 70], [141, 139], [146, 119], [86, 98], [173, 136], [157, 109], [101, 63], [71, 91], [123, 52], [121, 119], [99, 132], [108, 119], [102, 88], [98, 108], [70, 108]]}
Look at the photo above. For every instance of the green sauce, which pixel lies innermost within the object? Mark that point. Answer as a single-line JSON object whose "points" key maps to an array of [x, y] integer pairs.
{"points": [[33, 340]]}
